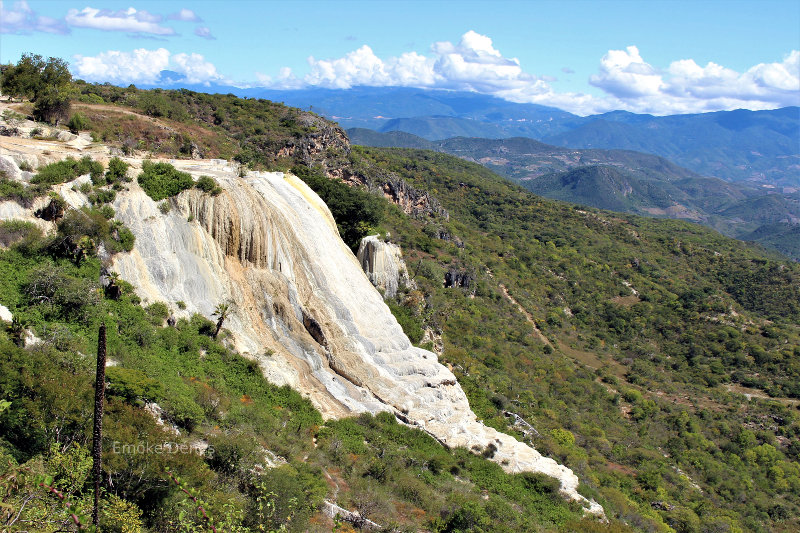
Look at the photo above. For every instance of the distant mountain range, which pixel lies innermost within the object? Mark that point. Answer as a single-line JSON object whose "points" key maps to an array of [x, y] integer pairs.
{"points": [[761, 146], [628, 181]]}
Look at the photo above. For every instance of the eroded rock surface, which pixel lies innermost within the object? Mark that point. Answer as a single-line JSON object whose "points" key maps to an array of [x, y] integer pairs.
{"points": [[383, 264]]}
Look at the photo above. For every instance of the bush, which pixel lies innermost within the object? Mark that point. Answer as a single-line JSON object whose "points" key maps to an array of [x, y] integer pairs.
{"points": [[117, 170], [13, 231], [88, 228], [78, 122], [15, 190], [132, 385], [209, 185], [102, 196], [67, 170], [162, 180], [232, 454]]}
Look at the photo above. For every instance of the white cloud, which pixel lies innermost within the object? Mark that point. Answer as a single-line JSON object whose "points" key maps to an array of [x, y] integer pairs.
{"points": [[624, 74], [204, 32], [144, 67], [686, 87], [21, 19], [185, 15], [128, 20], [626, 79], [195, 68]]}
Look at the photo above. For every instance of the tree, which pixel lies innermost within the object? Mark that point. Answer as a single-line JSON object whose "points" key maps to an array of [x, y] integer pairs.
{"points": [[221, 312], [47, 83], [52, 99], [22, 80]]}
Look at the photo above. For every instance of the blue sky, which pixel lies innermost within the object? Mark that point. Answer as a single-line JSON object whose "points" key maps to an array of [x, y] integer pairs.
{"points": [[584, 56]]}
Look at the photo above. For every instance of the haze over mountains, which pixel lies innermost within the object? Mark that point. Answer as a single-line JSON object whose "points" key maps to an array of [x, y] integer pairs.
{"points": [[628, 181], [762, 146]]}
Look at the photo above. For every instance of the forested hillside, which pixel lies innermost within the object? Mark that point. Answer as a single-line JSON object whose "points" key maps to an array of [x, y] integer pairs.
{"points": [[619, 345], [624, 180]]}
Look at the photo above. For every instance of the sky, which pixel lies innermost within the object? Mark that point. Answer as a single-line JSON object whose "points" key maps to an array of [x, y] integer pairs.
{"points": [[659, 57]]}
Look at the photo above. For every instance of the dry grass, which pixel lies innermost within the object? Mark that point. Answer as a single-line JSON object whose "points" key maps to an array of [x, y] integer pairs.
{"points": [[130, 130]]}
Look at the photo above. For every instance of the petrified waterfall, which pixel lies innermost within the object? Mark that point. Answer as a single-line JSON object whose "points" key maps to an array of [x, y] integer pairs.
{"points": [[300, 304]]}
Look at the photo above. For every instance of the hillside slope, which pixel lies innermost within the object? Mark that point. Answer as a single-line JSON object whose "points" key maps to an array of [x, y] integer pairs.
{"points": [[623, 180], [655, 358]]}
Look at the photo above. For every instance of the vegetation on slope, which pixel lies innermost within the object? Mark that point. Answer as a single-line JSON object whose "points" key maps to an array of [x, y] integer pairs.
{"points": [[639, 393], [187, 418], [640, 380]]}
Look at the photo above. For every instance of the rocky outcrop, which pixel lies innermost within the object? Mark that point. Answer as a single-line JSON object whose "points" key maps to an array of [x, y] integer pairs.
{"points": [[413, 202], [328, 148], [456, 278], [383, 263], [301, 305]]}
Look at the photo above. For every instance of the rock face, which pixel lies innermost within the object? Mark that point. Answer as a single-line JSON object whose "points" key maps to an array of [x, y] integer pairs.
{"points": [[328, 148], [383, 264], [301, 305], [458, 278]]}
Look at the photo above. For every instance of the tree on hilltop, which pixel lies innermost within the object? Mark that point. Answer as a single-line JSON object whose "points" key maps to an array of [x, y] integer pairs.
{"points": [[46, 83]]}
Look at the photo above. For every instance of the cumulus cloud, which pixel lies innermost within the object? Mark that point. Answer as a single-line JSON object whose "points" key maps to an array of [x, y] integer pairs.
{"points": [[472, 64], [624, 74], [204, 32], [627, 80], [185, 15], [21, 19], [128, 20], [686, 87], [195, 68], [144, 67]]}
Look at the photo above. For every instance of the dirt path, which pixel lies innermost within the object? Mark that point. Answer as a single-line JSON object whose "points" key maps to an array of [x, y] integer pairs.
{"points": [[750, 393], [525, 313]]}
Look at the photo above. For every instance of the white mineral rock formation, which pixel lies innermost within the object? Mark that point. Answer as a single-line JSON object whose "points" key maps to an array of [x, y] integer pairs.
{"points": [[301, 305], [383, 263]]}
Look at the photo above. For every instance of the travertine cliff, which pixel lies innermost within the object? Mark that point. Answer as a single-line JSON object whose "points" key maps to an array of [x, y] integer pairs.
{"points": [[301, 304], [383, 263]]}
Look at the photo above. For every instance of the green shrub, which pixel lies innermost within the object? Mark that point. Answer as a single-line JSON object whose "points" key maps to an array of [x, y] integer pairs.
{"points": [[15, 190], [102, 196], [13, 231], [55, 173], [117, 170], [107, 211], [78, 122], [87, 228], [209, 185], [132, 385], [162, 180], [232, 454], [68, 170]]}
